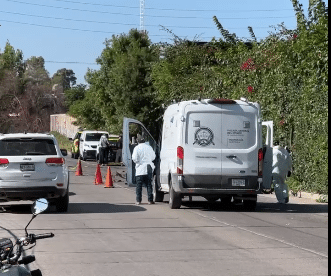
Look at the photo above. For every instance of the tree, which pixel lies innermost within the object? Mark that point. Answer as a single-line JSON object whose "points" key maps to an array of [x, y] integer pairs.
{"points": [[74, 94], [123, 86], [65, 78]]}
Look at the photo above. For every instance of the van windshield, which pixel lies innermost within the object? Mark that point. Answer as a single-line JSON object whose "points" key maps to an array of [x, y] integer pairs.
{"points": [[27, 146], [94, 136]]}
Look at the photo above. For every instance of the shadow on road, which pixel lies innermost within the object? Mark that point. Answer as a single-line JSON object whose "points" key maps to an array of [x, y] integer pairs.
{"points": [[261, 207], [101, 208], [76, 208], [16, 208]]}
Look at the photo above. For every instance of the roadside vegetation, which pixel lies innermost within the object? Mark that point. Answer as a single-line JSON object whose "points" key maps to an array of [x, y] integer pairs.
{"points": [[287, 73], [63, 141]]}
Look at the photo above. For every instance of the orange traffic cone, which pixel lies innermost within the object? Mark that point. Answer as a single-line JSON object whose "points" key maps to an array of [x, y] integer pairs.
{"points": [[98, 176], [109, 179], [79, 168]]}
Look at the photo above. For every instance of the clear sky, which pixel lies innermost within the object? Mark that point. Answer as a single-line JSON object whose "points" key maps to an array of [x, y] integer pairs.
{"points": [[70, 33]]}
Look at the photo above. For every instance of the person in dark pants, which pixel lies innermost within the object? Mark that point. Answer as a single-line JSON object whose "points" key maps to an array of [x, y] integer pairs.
{"points": [[143, 156], [119, 150], [104, 150]]}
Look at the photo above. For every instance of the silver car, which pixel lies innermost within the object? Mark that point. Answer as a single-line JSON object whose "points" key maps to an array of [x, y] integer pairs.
{"points": [[33, 166]]}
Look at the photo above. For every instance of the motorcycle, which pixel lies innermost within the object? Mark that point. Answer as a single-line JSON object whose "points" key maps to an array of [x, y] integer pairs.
{"points": [[11, 263]]}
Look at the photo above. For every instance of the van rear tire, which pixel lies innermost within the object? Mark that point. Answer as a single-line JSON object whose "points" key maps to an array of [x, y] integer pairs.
{"points": [[250, 205], [175, 199], [158, 196]]}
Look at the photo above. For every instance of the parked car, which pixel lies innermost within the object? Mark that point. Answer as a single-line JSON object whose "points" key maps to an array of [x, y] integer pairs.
{"points": [[88, 143], [32, 166]]}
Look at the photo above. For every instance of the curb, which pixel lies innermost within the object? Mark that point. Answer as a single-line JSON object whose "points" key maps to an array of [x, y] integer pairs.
{"points": [[306, 195]]}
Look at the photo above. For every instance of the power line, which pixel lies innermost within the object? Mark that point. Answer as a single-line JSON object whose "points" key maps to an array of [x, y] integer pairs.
{"points": [[118, 13], [55, 27], [167, 9], [94, 31], [114, 23], [71, 62]]}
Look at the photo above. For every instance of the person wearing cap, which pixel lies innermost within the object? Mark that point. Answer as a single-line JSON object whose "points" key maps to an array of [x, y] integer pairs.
{"points": [[143, 156], [281, 168], [104, 148]]}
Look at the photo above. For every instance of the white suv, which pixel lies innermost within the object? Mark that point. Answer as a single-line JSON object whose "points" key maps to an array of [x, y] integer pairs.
{"points": [[33, 166], [89, 142]]}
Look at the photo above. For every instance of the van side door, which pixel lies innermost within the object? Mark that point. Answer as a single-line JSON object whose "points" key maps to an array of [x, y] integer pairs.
{"points": [[131, 128], [267, 153]]}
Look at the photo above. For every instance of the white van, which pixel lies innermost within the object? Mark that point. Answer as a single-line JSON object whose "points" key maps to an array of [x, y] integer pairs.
{"points": [[88, 143], [211, 148]]}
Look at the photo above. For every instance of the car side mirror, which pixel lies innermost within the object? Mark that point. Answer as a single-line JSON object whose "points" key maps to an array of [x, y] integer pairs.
{"points": [[70, 139], [64, 152]]}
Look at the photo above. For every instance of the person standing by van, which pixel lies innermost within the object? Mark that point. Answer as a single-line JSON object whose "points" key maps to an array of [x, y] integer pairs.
{"points": [[104, 148], [281, 168], [143, 156]]}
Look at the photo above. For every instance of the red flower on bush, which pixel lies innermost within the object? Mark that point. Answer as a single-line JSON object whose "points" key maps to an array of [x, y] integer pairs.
{"points": [[282, 122], [250, 89], [248, 65]]}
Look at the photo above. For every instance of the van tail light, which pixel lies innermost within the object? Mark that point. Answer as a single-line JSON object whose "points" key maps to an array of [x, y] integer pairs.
{"points": [[4, 162], [57, 161], [260, 159], [180, 159]]}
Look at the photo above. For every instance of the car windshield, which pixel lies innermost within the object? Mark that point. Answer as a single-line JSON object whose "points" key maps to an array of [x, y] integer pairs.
{"points": [[27, 146], [93, 136]]}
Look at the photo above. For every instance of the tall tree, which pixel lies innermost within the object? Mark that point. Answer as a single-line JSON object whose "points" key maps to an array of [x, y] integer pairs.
{"points": [[123, 86], [65, 78]]}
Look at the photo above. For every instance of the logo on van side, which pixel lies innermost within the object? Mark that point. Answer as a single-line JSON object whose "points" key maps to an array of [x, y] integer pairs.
{"points": [[204, 137]]}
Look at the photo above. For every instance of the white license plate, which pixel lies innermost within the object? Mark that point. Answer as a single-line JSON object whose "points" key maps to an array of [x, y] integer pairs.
{"points": [[238, 182], [27, 167]]}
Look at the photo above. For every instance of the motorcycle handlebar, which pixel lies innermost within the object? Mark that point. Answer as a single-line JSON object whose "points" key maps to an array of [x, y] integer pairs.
{"points": [[42, 236]]}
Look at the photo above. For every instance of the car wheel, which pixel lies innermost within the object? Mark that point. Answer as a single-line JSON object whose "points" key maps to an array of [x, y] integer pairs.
{"points": [[226, 200], [157, 195], [62, 203], [250, 205], [175, 199]]}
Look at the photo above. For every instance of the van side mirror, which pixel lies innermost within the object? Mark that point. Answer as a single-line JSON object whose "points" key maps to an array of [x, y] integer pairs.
{"points": [[64, 152]]}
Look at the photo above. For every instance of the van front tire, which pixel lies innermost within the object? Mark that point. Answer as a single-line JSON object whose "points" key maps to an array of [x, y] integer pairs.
{"points": [[175, 199]]}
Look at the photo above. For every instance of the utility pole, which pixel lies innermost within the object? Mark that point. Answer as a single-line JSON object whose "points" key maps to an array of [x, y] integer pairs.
{"points": [[142, 14]]}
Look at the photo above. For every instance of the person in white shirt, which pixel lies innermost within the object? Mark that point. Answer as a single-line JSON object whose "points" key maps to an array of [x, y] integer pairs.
{"points": [[143, 156], [281, 168]]}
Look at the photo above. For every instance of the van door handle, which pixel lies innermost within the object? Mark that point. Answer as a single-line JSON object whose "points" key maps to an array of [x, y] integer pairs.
{"points": [[232, 156]]}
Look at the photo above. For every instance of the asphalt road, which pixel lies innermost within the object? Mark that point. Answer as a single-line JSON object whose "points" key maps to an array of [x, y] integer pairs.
{"points": [[104, 233]]}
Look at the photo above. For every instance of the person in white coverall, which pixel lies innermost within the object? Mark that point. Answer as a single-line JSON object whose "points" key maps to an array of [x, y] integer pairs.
{"points": [[281, 168], [143, 156]]}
